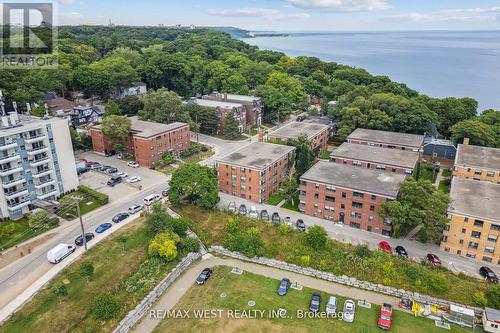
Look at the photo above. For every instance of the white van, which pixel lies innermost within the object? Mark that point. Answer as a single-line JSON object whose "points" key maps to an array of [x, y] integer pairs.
{"points": [[60, 252], [331, 306], [151, 198]]}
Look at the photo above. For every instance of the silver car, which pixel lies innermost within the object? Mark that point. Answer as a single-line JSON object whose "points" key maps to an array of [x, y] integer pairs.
{"points": [[253, 212], [348, 313]]}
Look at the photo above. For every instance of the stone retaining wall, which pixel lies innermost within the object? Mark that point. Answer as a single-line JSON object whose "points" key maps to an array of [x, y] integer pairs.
{"points": [[342, 279], [135, 315]]}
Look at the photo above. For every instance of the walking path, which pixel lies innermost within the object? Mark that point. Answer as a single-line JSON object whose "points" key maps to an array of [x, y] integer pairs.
{"points": [[439, 178], [174, 293]]}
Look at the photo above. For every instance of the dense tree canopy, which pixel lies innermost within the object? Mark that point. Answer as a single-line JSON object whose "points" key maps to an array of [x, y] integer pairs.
{"points": [[194, 184]]}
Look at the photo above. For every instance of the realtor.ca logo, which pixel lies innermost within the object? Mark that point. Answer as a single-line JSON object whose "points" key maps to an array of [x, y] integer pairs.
{"points": [[28, 35]]}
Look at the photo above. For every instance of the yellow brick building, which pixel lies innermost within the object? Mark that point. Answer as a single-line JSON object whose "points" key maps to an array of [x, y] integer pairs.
{"points": [[478, 163]]}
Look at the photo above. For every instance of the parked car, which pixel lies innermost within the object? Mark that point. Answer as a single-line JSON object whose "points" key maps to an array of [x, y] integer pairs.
{"points": [[164, 193], [151, 198], [133, 179], [253, 213], [401, 251], [133, 164], [122, 174], [90, 164], [283, 287], [288, 221], [59, 252], [204, 275], [488, 274], [300, 225], [88, 237], [103, 227], [135, 208], [96, 166], [385, 318], [384, 246], [120, 217], [275, 218], [264, 215], [331, 306], [111, 170], [315, 302], [232, 207], [103, 168], [114, 180], [110, 153], [348, 312], [242, 210], [434, 260]]}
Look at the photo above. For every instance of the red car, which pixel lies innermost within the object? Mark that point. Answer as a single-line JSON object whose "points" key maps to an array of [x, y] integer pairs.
{"points": [[434, 260], [384, 246], [385, 318]]}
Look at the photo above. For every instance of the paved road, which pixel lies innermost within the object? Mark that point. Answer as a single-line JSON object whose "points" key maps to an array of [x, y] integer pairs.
{"points": [[346, 234], [220, 146], [173, 294]]}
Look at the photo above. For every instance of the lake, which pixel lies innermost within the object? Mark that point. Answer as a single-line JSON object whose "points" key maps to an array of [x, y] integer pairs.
{"points": [[435, 63]]}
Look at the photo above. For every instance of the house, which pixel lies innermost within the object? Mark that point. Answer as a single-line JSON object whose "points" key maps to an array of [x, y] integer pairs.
{"points": [[254, 106], [439, 150], [473, 229], [255, 171], [386, 139], [317, 134], [372, 157], [349, 195], [478, 163], [147, 140], [491, 320], [134, 89], [58, 106], [84, 115], [223, 110]]}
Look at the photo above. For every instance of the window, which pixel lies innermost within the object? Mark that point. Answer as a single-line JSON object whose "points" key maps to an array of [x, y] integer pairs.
{"points": [[444, 239], [329, 199], [486, 259], [490, 173], [473, 245], [358, 194], [370, 218], [330, 189], [343, 195], [356, 215], [476, 234], [355, 225], [464, 230], [470, 255], [489, 249], [466, 219], [303, 183], [478, 223], [333, 159], [374, 197], [316, 185], [495, 227], [394, 170], [478, 172], [329, 208], [243, 187], [492, 238], [461, 241], [243, 179], [372, 208], [316, 196], [380, 167], [369, 228], [356, 205], [342, 206]]}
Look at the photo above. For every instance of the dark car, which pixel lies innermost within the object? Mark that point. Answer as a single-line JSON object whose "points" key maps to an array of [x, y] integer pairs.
{"points": [[243, 210], [301, 225], [204, 275], [114, 180], [119, 217], [488, 274], [88, 237], [401, 251], [110, 153], [315, 302], [104, 168], [111, 170], [434, 260], [164, 193], [276, 218], [283, 288], [103, 227], [264, 215]]}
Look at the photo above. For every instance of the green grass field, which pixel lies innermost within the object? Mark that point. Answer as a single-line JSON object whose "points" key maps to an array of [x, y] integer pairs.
{"points": [[239, 289], [199, 156], [86, 205], [426, 171], [445, 185], [121, 268], [22, 232]]}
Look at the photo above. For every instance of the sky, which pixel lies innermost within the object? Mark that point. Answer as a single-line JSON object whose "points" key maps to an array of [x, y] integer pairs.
{"points": [[289, 15]]}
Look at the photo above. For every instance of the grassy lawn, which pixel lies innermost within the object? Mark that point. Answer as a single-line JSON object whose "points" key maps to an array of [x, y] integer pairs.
{"points": [[325, 155], [295, 206], [240, 137], [445, 185], [339, 258], [242, 288], [22, 232], [425, 171], [87, 205], [199, 156], [446, 173], [275, 198], [122, 268], [255, 130]]}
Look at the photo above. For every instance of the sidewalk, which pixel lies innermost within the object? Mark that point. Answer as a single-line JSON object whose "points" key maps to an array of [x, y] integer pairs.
{"points": [[173, 294]]}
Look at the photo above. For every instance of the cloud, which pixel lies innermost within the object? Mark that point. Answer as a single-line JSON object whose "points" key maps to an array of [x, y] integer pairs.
{"points": [[67, 2], [434, 18], [342, 5], [247, 11], [475, 10]]}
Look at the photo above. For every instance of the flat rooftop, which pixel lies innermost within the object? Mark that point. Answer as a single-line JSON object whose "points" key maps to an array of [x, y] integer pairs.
{"points": [[411, 140], [214, 104], [356, 178], [257, 155], [147, 129], [397, 157], [296, 129], [479, 157], [244, 98], [475, 198]]}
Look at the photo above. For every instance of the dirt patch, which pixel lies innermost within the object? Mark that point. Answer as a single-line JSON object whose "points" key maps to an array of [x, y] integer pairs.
{"points": [[23, 250]]}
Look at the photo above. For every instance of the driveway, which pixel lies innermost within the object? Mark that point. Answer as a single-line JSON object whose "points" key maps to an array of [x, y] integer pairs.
{"points": [[220, 146], [343, 233]]}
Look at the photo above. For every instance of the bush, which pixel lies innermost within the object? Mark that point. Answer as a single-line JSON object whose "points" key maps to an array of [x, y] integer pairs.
{"points": [[232, 226], [99, 197], [164, 245], [493, 296], [60, 290], [316, 237], [305, 261], [189, 244], [105, 307], [195, 148], [87, 269], [144, 279], [252, 243], [179, 226], [480, 299], [284, 229], [388, 269], [438, 283], [362, 251]]}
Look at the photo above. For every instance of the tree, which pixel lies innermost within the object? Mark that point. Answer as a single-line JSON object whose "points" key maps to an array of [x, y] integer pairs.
{"points": [[305, 155], [493, 296], [38, 219], [452, 110], [157, 219], [235, 84], [164, 245], [130, 105], [112, 108], [163, 106], [479, 133], [253, 245], [290, 189], [87, 270], [420, 203], [119, 71], [6, 231], [204, 117], [316, 237], [194, 184], [92, 82], [231, 127], [117, 128], [105, 307]]}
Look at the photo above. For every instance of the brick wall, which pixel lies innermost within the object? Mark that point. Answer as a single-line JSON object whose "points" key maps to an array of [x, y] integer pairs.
{"points": [[371, 165]]}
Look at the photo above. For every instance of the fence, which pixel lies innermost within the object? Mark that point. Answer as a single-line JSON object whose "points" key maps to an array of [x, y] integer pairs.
{"points": [[136, 314]]}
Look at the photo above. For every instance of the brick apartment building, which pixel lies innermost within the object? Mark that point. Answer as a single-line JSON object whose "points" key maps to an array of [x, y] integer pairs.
{"points": [[317, 134], [372, 157], [253, 105], [474, 220], [223, 110], [147, 140], [255, 171], [348, 194], [478, 163], [386, 139]]}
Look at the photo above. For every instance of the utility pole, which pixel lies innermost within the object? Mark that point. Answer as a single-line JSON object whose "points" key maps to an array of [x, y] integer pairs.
{"points": [[77, 200], [198, 129]]}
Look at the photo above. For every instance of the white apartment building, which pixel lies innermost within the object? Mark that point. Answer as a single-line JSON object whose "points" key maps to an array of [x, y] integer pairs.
{"points": [[36, 162]]}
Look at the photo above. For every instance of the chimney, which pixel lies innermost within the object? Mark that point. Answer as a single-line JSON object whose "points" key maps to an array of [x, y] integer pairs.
{"points": [[466, 141]]}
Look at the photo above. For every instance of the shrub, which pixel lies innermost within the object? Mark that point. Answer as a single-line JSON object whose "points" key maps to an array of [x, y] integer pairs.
{"points": [[388, 269], [363, 251], [253, 244], [438, 283], [179, 226], [195, 148], [316, 237], [189, 244], [493, 296], [232, 226], [87, 269], [101, 198], [105, 307], [144, 279], [305, 261], [480, 299], [60, 290], [164, 245], [284, 229]]}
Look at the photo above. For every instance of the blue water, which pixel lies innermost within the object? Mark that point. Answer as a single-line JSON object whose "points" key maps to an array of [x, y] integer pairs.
{"points": [[435, 63]]}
